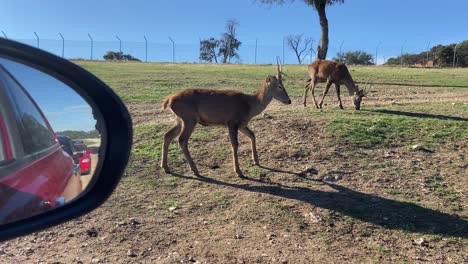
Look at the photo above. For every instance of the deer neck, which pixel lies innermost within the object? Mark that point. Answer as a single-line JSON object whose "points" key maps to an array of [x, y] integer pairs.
{"points": [[349, 83], [261, 99]]}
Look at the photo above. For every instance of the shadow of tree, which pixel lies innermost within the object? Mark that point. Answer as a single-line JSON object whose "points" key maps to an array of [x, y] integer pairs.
{"points": [[419, 115], [369, 208]]}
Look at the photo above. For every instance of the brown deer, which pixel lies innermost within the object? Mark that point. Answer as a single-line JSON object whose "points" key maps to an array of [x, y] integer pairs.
{"points": [[228, 108], [336, 73]]}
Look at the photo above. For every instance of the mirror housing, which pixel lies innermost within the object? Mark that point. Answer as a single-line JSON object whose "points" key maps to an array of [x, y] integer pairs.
{"points": [[116, 140]]}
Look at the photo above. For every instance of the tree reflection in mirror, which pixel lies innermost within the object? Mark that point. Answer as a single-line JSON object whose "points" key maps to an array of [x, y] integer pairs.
{"points": [[49, 142]]}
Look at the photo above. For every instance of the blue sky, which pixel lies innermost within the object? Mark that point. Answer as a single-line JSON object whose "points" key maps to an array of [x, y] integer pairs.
{"points": [[62, 106], [359, 25]]}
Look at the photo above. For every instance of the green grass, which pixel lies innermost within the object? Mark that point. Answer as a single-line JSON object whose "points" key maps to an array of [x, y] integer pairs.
{"points": [[149, 138], [150, 82], [396, 126]]}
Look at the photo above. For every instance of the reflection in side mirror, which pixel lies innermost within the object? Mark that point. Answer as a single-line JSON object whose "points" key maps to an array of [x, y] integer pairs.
{"points": [[46, 129]]}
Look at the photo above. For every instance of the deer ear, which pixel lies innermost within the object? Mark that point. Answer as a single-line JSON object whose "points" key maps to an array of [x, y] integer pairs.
{"points": [[268, 79]]}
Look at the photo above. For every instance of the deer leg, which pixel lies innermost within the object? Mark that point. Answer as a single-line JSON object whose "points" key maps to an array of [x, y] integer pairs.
{"points": [[233, 132], [337, 86], [325, 93], [314, 83], [168, 137], [246, 131], [187, 129], [306, 89]]}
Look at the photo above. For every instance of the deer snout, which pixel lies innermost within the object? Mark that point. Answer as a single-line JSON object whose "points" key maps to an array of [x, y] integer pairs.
{"points": [[288, 102]]}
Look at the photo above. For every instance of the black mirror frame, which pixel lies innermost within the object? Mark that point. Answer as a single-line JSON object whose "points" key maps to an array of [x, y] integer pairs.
{"points": [[118, 139]]}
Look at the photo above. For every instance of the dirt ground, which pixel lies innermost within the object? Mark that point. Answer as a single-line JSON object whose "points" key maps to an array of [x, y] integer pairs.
{"points": [[312, 201]]}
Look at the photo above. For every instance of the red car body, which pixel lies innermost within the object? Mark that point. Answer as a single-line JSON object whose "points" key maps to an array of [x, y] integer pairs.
{"points": [[36, 174], [85, 160]]}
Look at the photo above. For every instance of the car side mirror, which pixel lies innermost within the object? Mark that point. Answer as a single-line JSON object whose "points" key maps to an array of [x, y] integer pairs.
{"points": [[46, 102]]}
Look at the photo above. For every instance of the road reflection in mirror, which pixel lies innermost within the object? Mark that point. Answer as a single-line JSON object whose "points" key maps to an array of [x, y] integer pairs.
{"points": [[49, 142]]}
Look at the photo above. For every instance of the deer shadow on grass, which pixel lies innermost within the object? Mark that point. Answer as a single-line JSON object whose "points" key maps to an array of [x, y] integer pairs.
{"points": [[390, 214], [301, 174], [419, 115]]}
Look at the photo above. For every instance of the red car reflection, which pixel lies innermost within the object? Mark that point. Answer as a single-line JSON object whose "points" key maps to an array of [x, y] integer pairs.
{"points": [[36, 174], [85, 156]]}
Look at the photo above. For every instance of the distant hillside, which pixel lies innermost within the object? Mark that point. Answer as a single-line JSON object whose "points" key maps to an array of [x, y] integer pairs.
{"points": [[73, 134]]}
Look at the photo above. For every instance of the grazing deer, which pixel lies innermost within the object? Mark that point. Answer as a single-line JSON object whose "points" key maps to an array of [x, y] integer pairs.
{"points": [[220, 108], [336, 73]]}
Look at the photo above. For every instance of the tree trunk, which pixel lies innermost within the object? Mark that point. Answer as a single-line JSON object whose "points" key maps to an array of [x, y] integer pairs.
{"points": [[323, 44]]}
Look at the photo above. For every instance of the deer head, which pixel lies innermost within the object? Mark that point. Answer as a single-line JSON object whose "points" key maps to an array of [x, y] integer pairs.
{"points": [[276, 87], [359, 94]]}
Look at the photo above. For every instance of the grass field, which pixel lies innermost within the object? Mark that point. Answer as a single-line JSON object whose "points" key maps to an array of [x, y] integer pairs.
{"points": [[335, 186]]}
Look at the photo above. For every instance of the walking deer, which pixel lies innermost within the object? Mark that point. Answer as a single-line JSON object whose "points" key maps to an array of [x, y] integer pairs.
{"points": [[228, 108], [336, 73]]}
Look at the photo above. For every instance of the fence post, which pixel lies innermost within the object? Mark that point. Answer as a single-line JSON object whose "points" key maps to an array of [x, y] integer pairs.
{"points": [[256, 45], [341, 54], [376, 52], [91, 45], [63, 45], [173, 50], [120, 44], [4, 34], [283, 48], [401, 54], [427, 53], [146, 49], [37, 39], [455, 54]]}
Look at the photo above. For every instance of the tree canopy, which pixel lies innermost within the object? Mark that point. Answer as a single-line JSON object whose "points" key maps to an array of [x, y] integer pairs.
{"points": [[442, 55], [119, 56], [357, 57], [227, 46]]}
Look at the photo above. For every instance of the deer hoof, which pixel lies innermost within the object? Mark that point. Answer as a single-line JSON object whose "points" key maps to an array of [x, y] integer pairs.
{"points": [[166, 169]]}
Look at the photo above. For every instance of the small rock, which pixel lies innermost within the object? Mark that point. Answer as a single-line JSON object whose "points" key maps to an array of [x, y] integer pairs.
{"points": [[131, 253], [417, 147], [421, 242], [92, 232], [333, 178], [314, 218], [95, 260], [421, 148], [172, 208], [122, 223], [271, 236], [134, 222], [29, 251], [2, 251], [311, 170], [267, 116]]}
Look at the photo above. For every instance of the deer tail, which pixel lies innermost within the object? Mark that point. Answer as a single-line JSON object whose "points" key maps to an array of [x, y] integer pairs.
{"points": [[166, 102]]}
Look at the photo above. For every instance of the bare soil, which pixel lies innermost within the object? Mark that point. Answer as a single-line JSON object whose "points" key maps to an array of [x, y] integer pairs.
{"points": [[312, 201]]}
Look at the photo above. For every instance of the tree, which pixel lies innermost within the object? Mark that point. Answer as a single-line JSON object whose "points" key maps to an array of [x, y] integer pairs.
{"points": [[462, 53], [355, 57], [119, 56], [229, 44], [208, 49], [319, 6], [299, 46]]}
